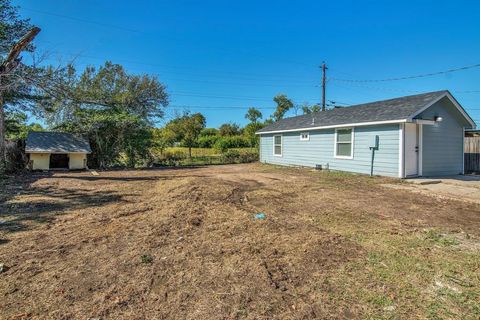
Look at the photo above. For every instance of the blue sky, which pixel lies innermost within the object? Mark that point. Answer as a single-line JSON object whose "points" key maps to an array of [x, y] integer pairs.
{"points": [[221, 57]]}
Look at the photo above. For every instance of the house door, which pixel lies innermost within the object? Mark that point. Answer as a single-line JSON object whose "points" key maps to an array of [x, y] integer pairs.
{"points": [[411, 149]]}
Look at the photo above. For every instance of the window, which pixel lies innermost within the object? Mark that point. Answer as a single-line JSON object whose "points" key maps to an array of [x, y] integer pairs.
{"points": [[277, 146], [304, 136], [344, 143]]}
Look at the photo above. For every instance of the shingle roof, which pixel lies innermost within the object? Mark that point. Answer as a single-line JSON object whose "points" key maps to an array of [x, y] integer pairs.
{"points": [[386, 110], [56, 142]]}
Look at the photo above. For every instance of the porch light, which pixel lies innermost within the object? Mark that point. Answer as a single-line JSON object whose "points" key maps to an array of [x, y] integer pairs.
{"points": [[438, 119]]}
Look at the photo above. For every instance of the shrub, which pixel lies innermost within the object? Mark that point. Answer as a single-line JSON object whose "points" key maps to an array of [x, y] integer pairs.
{"points": [[248, 156], [206, 132], [231, 156], [207, 141], [225, 143]]}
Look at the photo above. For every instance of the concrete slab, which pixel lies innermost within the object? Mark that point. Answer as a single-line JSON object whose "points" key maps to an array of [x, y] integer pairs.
{"points": [[464, 188]]}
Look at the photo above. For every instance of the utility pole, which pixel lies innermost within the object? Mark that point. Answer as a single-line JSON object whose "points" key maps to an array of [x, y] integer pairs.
{"points": [[8, 65], [324, 84]]}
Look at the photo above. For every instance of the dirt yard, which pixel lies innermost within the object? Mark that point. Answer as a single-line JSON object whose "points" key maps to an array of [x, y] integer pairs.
{"points": [[184, 244]]}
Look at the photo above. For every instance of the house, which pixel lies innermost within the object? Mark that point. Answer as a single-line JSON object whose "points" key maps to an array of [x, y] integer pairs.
{"points": [[419, 135], [56, 150]]}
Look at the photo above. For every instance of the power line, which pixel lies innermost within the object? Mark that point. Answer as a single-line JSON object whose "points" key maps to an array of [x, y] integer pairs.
{"points": [[270, 84], [226, 73], [107, 25], [410, 77], [355, 85], [201, 95]]}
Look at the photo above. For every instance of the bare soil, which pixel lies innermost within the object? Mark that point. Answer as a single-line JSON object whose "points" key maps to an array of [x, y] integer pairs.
{"points": [[184, 244]]}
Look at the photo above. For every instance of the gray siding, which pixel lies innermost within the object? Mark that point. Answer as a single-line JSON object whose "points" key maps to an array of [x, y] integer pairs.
{"points": [[443, 142], [320, 150]]}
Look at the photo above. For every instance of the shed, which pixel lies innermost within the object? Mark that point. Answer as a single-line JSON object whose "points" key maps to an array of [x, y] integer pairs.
{"points": [[411, 136], [56, 150]]}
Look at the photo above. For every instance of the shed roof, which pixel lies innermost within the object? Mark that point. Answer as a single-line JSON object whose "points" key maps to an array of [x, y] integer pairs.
{"points": [[56, 142], [391, 110]]}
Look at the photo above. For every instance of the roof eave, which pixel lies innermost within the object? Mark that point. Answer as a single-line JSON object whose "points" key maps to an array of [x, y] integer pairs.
{"points": [[455, 103], [345, 125]]}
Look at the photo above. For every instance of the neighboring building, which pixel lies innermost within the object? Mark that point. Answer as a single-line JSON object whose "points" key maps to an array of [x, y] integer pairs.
{"points": [[419, 135], [472, 133], [56, 150]]}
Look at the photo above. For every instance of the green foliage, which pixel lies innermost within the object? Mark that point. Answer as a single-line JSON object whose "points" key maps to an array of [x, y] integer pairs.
{"points": [[249, 133], [12, 27], [162, 138], [225, 143], [107, 88], [113, 109], [253, 115], [208, 132], [283, 105], [187, 128], [17, 128], [234, 156], [179, 156], [229, 129], [436, 237], [207, 141], [112, 135], [146, 258], [310, 109]]}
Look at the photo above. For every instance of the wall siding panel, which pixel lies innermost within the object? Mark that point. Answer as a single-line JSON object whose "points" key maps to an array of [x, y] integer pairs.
{"points": [[320, 150], [443, 142]]}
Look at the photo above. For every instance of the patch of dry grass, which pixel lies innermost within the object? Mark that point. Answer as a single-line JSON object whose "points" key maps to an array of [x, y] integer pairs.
{"points": [[184, 244]]}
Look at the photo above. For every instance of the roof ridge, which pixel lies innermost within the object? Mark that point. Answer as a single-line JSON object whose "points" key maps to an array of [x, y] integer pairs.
{"points": [[402, 97]]}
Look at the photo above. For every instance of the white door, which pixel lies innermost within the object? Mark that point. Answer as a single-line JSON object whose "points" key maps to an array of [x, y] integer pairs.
{"points": [[411, 149]]}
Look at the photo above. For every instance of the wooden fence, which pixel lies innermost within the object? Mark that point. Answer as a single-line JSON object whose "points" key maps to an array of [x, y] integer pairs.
{"points": [[472, 155]]}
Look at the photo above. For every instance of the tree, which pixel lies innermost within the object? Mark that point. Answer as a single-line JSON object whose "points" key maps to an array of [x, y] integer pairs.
{"points": [[114, 109], [187, 129], [208, 132], [163, 138], [109, 87], [253, 115], [229, 129], [249, 131], [283, 105], [16, 35], [309, 109], [16, 126]]}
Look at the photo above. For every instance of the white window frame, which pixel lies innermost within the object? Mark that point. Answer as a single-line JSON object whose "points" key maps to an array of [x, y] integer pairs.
{"points": [[352, 140], [304, 133], [281, 145]]}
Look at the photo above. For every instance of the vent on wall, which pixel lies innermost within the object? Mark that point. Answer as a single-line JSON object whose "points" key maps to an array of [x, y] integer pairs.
{"points": [[322, 166]]}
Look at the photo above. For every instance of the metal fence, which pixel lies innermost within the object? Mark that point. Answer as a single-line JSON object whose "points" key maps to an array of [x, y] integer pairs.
{"points": [[472, 155]]}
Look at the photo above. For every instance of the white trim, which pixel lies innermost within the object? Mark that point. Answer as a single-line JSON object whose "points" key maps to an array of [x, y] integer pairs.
{"points": [[401, 151], [455, 103], [352, 142], [306, 133], [281, 145], [420, 150], [422, 121], [336, 126]]}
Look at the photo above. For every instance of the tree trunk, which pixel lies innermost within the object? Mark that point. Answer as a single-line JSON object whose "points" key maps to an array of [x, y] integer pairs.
{"points": [[3, 163], [190, 152]]}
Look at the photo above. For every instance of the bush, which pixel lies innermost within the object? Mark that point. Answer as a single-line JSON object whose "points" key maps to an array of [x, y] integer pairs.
{"points": [[207, 141], [225, 143], [231, 156], [246, 157], [235, 156]]}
